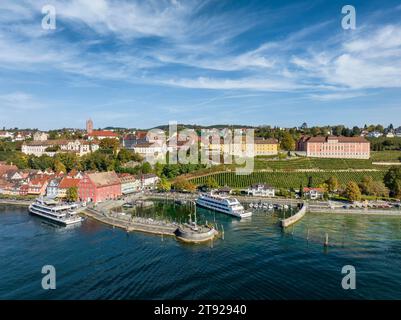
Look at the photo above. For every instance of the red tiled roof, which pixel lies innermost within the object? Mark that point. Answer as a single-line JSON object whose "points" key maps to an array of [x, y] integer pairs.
{"points": [[4, 168], [102, 133], [342, 139], [306, 189], [102, 179], [67, 183], [39, 181], [140, 134]]}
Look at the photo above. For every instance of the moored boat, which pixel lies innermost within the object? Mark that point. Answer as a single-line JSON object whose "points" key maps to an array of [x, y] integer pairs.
{"points": [[50, 209], [224, 204]]}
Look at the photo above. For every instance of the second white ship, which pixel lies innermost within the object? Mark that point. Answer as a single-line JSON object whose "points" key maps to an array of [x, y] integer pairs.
{"points": [[227, 205]]}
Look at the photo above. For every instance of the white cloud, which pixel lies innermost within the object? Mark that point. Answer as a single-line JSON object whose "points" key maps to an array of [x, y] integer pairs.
{"points": [[19, 101], [197, 49]]}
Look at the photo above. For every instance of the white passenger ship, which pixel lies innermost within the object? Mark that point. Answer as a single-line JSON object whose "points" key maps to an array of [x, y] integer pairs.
{"points": [[227, 205], [50, 209]]}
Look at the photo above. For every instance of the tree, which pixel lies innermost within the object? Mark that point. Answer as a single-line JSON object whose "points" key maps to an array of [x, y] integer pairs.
{"points": [[146, 168], [301, 190], [109, 145], [378, 189], [124, 155], [211, 183], [69, 160], [164, 185], [304, 126], [182, 184], [332, 184], [287, 142], [59, 166], [352, 191], [310, 182], [392, 180], [72, 194]]}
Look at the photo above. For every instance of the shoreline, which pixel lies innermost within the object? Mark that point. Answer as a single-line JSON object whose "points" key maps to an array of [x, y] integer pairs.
{"points": [[311, 206], [22, 203]]}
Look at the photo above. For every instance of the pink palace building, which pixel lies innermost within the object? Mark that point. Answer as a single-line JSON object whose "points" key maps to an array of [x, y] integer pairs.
{"points": [[335, 147], [99, 186]]}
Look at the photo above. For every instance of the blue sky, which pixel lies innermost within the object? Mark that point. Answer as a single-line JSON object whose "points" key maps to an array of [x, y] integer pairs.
{"points": [[144, 63]]}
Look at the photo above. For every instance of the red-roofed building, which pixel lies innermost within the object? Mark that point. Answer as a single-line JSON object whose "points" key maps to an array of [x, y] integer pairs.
{"points": [[313, 193], [99, 186], [65, 184], [38, 185], [6, 168], [102, 134], [335, 147]]}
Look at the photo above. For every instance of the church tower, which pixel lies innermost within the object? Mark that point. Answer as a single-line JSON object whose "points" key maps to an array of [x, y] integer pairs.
{"points": [[89, 126]]}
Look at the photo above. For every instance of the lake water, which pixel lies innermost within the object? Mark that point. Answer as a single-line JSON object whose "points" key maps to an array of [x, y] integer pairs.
{"points": [[256, 259]]}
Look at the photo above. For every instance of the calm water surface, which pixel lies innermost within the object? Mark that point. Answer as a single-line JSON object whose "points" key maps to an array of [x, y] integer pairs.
{"points": [[256, 260]]}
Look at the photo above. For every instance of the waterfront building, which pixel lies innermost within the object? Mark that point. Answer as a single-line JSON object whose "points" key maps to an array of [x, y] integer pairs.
{"points": [[99, 186], [7, 168], [53, 187], [5, 187], [223, 191], [260, 189], [38, 185], [335, 147], [149, 181], [65, 184], [313, 193], [129, 183]]}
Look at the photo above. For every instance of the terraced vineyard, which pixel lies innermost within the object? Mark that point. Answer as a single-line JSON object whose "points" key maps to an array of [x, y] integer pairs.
{"points": [[391, 155], [312, 163], [285, 179]]}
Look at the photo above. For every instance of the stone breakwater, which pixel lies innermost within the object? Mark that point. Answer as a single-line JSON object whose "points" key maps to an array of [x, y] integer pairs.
{"points": [[294, 218], [133, 224]]}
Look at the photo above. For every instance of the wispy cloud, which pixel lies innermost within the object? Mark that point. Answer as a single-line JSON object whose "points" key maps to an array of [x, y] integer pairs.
{"points": [[19, 101], [223, 50]]}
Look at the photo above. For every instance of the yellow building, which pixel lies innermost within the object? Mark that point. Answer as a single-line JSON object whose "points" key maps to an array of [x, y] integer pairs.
{"points": [[261, 147], [264, 147]]}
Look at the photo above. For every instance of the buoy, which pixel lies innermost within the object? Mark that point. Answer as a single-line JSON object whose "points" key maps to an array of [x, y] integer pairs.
{"points": [[326, 242]]}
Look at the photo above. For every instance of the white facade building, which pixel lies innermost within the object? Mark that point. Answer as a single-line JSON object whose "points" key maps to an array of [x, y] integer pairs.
{"points": [[261, 190]]}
